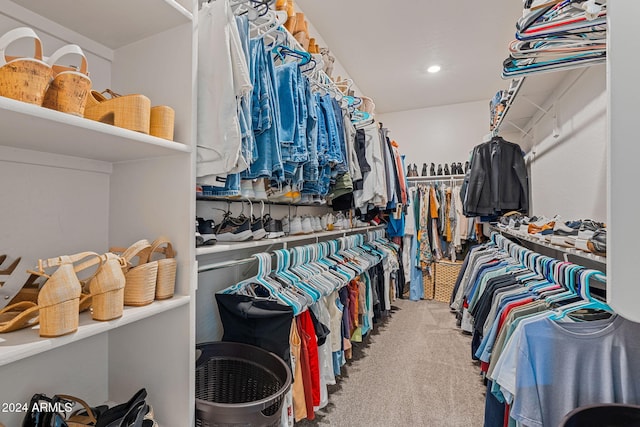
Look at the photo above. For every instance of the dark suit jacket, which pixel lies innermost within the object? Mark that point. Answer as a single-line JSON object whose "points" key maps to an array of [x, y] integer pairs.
{"points": [[497, 181]]}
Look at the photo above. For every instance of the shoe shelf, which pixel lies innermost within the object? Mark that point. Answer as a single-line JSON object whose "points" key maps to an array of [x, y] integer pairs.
{"points": [[266, 202], [535, 96], [221, 247], [418, 179], [31, 127], [567, 251], [113, 23], [15, 346]]}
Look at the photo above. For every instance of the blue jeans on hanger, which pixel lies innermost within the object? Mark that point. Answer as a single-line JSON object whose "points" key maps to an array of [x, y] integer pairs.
{"points": [[310, 167], [343, 166], [333, 137], [265, 116], [416, 287], [231, 187], [293, 113]]}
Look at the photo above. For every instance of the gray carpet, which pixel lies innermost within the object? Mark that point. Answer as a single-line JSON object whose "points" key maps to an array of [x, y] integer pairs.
{"points": [[414, 370]]}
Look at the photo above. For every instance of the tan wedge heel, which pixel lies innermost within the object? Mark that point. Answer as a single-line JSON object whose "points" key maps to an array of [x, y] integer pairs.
{"points": [[162, 122], [24, 79], [69, 89], [131, 112]]}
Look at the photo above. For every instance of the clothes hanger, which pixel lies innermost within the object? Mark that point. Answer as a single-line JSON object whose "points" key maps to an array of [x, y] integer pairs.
{"points": [[588, 301]]}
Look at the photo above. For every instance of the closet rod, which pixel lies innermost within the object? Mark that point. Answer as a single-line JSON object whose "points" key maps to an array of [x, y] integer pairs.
{"points": [[225, 264]]}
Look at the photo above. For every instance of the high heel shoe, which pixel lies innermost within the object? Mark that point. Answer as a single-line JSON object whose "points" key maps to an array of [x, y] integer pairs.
{"points": [[106, 287], [59, 297], [432, 171], [140, 279], [424, 169], [131, 112]]}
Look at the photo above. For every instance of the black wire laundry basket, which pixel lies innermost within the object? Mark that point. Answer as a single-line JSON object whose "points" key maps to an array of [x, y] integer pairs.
{"points": [[603, 415], [239, 385]]}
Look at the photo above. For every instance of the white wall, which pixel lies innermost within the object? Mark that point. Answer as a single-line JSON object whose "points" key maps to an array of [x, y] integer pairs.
{"points": [[569, 174], [438, 134]]}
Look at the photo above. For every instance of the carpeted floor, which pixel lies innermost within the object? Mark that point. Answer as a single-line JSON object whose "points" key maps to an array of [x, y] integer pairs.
{"points": [[414, 370]]}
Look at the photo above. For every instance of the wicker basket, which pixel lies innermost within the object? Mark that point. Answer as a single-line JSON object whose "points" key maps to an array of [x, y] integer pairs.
{"points": [[140, 279], [166, 280], [24, 79], [428, 276], [446, 275]]}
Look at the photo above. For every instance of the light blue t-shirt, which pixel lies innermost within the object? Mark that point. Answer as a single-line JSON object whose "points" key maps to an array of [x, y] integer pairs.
{"points": [[558, 367]]}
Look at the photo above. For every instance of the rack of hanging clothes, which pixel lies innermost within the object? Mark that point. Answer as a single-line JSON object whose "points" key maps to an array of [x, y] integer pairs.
{"points": [[310, 306], [266, 110], [547, 344], [434, 227]]}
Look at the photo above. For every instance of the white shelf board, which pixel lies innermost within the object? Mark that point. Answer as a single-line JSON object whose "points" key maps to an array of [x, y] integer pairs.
{"points": [[20, 344], [113, 23], [571, 251], [225, 247], [537, 88], [31, 127]]}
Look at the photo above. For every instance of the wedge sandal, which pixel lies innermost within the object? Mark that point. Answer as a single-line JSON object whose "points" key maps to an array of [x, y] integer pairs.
{"points": [[131, 112]]}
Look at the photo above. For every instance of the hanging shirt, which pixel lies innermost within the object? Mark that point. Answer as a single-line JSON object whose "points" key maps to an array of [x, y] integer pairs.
{"points": [[561, 366], [223, 80]]}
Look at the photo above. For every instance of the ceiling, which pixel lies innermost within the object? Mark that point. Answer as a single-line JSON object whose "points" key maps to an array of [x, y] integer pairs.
{"points": [[386, 47]]}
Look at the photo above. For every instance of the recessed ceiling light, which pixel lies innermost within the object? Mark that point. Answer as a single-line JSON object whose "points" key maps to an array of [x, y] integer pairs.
{"points": [[433, 69]]}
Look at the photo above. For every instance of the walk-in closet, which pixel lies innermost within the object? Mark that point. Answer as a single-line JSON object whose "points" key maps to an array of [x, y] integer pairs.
{"points": [[303, 213]]}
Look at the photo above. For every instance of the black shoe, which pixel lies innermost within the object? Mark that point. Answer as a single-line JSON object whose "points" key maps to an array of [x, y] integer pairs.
{"points": [[257, 229], [273, 227], [466, 166], [433, 170], [439, 170], [207, 231], [234, 230], [424, 169], [460, 170], [454, 169], [446, 169]]}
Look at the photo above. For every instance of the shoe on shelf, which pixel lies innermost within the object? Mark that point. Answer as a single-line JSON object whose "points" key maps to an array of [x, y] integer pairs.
{"points": [[273, 227], [199, 238], [234, 230], [588, 229], [568, 228], [259, 189], [424, 170], [305, 224], [440, 170], [246, 189], [257, 229], [432, 170], [295, 226], [446, 169], [131, 112], [318, 200], [582, 244], [316, 224], [598, 242], [207, 231]]}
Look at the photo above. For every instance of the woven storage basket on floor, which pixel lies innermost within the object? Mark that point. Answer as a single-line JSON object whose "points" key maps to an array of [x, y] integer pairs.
{"points": [[428, 282], [140, 279], [166, 280], [446, 275]]}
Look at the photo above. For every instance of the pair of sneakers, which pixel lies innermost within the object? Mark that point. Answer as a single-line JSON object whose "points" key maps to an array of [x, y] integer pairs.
{"points": [[253, 189], [229, 230]]}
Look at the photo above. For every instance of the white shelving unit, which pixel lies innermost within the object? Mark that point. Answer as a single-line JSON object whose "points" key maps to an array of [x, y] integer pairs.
{"points": [[72, 185], [534, 98]]}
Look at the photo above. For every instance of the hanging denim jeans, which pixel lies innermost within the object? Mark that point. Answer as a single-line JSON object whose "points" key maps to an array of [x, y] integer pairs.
{"points": [[333, 138], [343, 166], [265, 116], [248, 149], [231, 186]]}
